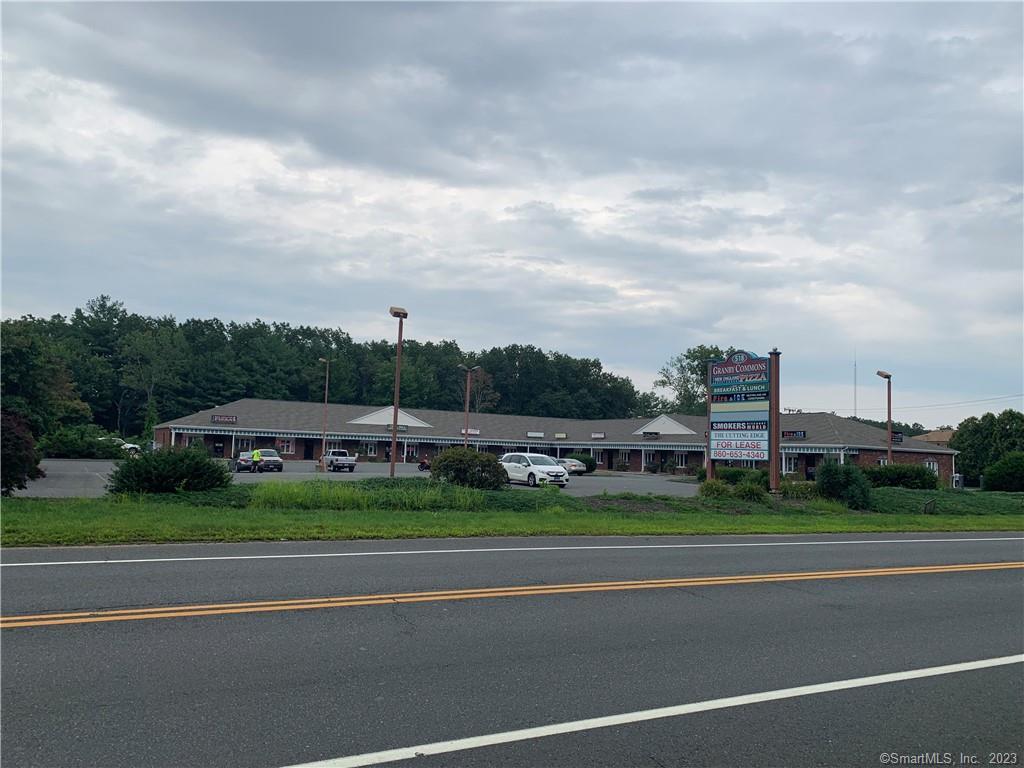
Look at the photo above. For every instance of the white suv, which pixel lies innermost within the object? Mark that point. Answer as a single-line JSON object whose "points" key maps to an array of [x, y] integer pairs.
{"points": [[533, 468]]}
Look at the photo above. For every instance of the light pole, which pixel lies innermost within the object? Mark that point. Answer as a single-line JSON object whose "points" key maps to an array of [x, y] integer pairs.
{"points": [[469, 378], [401, 314], [888, 386], [327, 384]]}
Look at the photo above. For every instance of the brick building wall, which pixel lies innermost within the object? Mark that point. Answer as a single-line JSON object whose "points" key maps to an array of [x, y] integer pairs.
{"points": [[945, 461]]}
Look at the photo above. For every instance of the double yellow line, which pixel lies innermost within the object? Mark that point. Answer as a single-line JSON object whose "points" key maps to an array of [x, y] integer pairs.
{"points": [[223, 609]]}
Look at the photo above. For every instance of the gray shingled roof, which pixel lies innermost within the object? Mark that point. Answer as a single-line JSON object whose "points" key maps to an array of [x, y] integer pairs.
{"points": [[823, 429]]}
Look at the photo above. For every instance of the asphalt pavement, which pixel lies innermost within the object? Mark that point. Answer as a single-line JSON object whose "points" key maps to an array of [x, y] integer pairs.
{"points": [[87, 478], [292, 684]]}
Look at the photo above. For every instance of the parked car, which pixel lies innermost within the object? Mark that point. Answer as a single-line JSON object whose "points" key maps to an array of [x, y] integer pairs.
{"points": [[271, 462], [573, 466], [337, 460], [131, 449], [533, 468]]}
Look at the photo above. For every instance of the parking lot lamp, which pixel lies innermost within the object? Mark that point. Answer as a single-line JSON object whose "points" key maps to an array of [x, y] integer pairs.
{"points": [[327, 384], [401, 314], [469, 378], [888, 386]]}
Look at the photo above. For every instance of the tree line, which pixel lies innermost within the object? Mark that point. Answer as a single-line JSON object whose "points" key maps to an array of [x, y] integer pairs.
{"points": [[125, 372]]}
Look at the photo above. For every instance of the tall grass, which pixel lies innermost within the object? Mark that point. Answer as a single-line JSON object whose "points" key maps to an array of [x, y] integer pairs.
{"points": [[399, 494]]}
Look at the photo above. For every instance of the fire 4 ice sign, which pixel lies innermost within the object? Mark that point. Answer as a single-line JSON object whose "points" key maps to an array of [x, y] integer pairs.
{"points": [[740, 412]]}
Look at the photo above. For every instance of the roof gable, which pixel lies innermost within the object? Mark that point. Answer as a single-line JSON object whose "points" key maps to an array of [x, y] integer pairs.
{"points": [[385, 416], [665, 425]]}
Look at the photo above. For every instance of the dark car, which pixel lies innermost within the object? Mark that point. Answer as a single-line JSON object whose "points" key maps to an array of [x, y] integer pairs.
{"points": [[269, 461]]}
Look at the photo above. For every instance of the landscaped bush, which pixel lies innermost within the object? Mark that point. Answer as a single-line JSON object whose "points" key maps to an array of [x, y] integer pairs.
{"points": [[470, 468], [903, 476], [1007, 474], [80, 442], [845, 483], [170, 470], [731, 475], [798, 490], [829, 480], [652, 467], [702, 474], [19, 459], [714, 489], [622, 466], [750, 490], [586, 458]]}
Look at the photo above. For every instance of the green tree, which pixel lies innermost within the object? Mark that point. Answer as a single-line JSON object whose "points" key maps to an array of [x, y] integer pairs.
{"points": [[94, 336], [153, 359], [686, 374], [910, 430], [984, 441], [19, 459], [652, 404], [35, 382]]}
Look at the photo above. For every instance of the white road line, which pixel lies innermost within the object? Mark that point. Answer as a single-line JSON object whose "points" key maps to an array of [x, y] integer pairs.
{"points": [[475, 742], [470, 551]]}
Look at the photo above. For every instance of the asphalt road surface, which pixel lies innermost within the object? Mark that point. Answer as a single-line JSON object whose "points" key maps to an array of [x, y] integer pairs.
{"points": [[284, 654], [88, 478]]}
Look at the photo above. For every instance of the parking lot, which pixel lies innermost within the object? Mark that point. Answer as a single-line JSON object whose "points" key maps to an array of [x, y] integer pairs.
{"points": [[87, 478]]}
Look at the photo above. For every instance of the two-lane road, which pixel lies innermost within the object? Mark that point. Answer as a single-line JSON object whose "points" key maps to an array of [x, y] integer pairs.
{"points": [[279, 654]]}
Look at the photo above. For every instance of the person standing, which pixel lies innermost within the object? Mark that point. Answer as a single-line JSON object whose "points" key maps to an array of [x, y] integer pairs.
{"points": [[257, 457]]}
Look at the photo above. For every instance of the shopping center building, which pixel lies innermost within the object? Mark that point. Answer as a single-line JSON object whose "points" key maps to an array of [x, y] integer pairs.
{"points": [[297, 431]]}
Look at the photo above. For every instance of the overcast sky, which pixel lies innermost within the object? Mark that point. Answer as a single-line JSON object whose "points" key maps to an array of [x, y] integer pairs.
{"points": [[611, 181]]}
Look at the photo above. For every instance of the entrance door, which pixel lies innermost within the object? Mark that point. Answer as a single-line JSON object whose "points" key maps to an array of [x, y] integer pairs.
{"points": [[307, 450], [810, 470]]}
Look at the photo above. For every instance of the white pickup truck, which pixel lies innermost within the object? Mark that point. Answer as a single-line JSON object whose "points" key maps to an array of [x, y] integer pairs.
{"points": [[337, 460]]}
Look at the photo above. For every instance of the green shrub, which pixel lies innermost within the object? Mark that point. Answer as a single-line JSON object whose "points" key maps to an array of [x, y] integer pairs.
{"points": [[750, 490], [737, 475], [1007, 474], [652, 467], [731, 475], [845, 483], [702, 474], [170, 470], [714, 489], [411, 493], [856, 488], [80, 442], [469, 468], [19, 459], [829, 481], [798, 490], [622, 466], [232, 497], [586, 458], [903, 476]]}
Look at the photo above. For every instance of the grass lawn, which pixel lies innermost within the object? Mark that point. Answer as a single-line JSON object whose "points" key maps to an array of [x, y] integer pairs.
{"points": [[415, 508]]}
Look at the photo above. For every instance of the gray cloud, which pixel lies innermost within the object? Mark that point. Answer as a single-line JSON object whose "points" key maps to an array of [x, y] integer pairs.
{"points": [[626, 180]]}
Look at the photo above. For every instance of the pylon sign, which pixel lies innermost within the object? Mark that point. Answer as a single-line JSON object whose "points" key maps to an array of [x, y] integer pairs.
{"points": [[743, 421], [739, 409]]}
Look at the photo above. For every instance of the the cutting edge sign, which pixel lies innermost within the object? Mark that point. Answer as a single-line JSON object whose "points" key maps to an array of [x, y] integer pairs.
{"points": [[740, 431]]}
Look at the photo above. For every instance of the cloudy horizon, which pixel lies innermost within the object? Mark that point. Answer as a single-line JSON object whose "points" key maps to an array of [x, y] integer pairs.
{"points": [[605, 180]]}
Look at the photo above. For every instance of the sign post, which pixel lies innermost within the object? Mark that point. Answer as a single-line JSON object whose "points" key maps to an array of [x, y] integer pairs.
{"points": [[774, 425], [743, 407]]}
